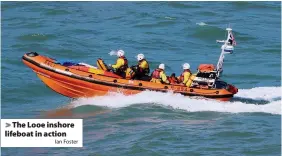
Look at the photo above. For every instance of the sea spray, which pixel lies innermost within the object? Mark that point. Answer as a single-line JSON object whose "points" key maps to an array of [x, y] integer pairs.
{"points": [[201, 24], [177, 101], [260, 93], [112, 53]]}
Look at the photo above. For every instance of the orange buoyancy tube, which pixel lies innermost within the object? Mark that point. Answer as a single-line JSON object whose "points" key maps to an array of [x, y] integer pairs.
{"points": [[81, 68]]}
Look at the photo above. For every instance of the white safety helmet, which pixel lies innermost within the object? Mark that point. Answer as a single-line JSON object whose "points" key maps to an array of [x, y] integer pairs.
{"points": [[120, 53], [162, 66], [140, 57], [186, 66]]}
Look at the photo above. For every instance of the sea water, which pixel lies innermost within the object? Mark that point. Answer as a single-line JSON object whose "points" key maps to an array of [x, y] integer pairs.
{"points": [[173, 33]]}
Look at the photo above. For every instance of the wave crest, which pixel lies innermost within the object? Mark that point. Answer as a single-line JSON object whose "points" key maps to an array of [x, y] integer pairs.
{"points": [[272, 96]]}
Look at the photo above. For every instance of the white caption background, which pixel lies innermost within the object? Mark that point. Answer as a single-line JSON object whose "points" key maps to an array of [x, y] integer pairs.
{"points": [[74, 136]]}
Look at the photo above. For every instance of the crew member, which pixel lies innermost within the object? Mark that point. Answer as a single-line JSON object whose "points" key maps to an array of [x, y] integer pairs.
{"points": [[121, 64], [142, 69], [185, 76], [159, 76]]}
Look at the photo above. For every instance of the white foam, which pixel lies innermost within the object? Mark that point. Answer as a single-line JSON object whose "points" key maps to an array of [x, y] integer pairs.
{"points": [[171, 18], [201, 24], [177, 101], [260, 93]]}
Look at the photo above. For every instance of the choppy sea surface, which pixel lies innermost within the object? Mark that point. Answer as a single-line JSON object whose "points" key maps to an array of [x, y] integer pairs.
{"points": [[150, 123]]}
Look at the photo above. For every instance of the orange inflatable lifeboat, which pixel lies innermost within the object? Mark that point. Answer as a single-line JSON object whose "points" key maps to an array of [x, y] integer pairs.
{"points": [[83, 80]]}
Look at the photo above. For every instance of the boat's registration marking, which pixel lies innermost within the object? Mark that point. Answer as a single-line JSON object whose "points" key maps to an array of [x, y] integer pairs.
{"points": [[179, 88], [49, 63], [130, 82]]}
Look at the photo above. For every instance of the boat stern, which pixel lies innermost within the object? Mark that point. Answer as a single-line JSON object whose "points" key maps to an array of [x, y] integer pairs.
{"points": [[232, 89]]}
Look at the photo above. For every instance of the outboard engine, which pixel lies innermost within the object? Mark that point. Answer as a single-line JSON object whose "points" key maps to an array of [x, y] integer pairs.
{"points": [[205, 77]]}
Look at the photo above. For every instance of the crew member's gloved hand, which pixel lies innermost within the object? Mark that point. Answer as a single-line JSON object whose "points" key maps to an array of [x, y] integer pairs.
{"points": [[110, 68], [134, 68]]}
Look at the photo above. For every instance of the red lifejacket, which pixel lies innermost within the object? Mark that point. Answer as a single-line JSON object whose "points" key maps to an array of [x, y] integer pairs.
{"points": [[157, 73], [172, 80], [181, 78]]}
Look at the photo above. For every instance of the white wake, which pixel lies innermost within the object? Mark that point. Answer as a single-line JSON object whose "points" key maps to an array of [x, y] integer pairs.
{"points": [[177, 101], [201, 24]]}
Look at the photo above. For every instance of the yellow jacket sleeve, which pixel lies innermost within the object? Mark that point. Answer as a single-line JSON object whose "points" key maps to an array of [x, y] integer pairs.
{"points": [[163, 77], [120, 62], [144, 65], [186, 77]]}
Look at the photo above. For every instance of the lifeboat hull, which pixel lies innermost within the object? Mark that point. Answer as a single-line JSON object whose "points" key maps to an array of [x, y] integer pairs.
{"points": [[75, 83]]}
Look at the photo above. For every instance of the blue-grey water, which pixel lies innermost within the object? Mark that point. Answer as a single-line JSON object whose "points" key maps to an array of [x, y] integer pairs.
{"points": [[166, 32]]}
